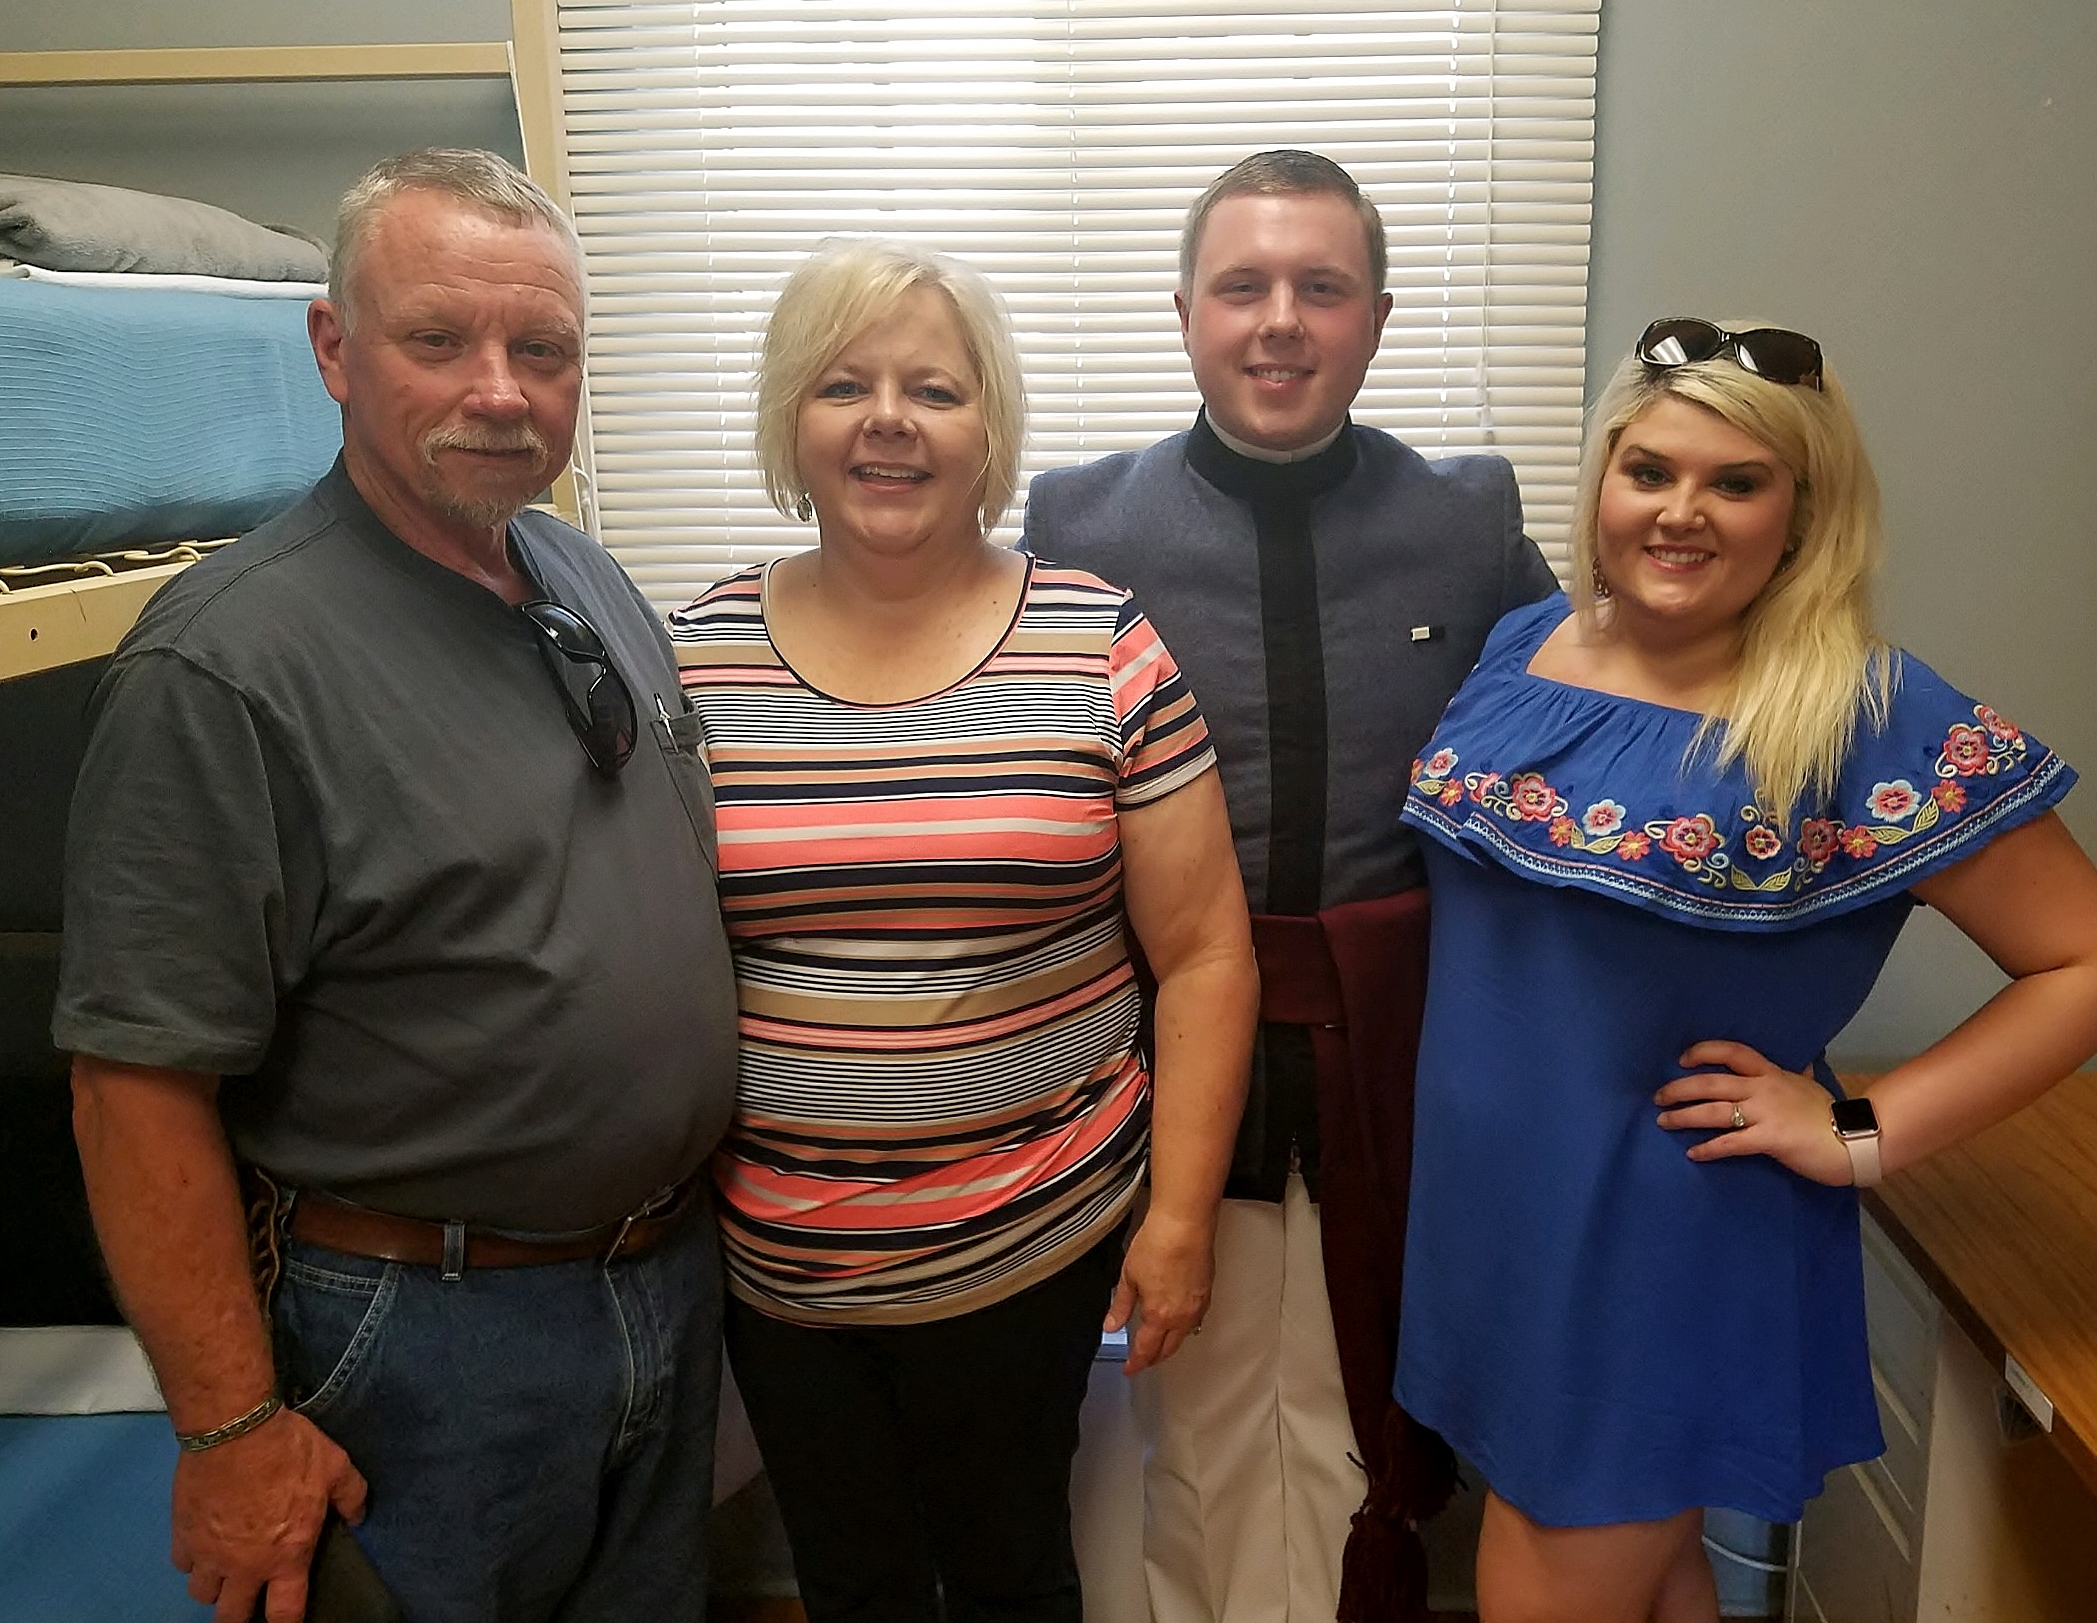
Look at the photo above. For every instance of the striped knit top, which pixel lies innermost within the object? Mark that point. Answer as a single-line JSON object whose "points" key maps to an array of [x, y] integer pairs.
{"points": [[942, 1100]]}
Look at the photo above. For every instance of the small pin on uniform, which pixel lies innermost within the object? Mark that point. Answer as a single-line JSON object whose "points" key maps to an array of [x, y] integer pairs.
{"points": [[1423, 633]]}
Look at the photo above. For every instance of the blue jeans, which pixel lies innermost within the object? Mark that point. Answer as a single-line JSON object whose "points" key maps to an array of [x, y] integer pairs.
{"points": [[538, 1441]]}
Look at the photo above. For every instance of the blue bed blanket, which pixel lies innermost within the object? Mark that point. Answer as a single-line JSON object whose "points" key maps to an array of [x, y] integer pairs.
{"points": [[84, 1521], [133, 416]]}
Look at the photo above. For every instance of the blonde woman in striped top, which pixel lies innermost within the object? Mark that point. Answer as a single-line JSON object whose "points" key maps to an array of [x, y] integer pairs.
{"points": [[951, 781]]}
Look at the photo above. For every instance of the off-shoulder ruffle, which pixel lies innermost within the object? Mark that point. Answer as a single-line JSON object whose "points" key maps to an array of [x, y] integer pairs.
{"points": [[1567, 786]]}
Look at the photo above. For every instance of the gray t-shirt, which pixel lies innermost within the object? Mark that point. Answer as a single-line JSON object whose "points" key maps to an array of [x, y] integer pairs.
{"points": [[335, 841]]}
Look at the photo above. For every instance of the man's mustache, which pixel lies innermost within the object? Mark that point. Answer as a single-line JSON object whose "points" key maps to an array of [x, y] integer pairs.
{"points": [[465, 438]]}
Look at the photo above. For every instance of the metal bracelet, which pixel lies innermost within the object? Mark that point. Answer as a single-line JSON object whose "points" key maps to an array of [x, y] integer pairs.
{"points": [[195, 1442]]}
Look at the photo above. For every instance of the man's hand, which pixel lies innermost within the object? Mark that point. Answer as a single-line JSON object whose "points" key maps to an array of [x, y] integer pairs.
{"points": [[167, 1210], [1165, 1280], [248, 1514]]}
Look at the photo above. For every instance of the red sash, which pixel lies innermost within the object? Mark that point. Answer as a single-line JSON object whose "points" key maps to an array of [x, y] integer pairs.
{"points": [[1356, 975]]}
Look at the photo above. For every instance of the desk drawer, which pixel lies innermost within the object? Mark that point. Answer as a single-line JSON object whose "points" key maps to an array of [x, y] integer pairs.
{"points": [[1906, 1327], [1855, 1563]]}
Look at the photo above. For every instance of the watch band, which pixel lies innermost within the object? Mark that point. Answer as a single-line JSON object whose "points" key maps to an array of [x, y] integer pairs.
{"points": [[1860, 1137], [1863, 1150]]}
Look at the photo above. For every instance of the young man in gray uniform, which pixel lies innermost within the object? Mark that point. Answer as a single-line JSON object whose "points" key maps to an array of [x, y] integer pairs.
{"points": [[390, 896], [1325, 590]]}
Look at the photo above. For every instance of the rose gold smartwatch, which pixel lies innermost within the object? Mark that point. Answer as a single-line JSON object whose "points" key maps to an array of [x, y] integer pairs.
{"points": [[1857, 1125]]}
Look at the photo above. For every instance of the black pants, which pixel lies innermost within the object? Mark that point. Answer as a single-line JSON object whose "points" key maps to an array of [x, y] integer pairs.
{"points": [[923, 1470]]}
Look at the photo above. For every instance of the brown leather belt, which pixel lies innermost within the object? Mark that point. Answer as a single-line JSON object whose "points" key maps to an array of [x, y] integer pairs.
{"points": [[321, 1219]]}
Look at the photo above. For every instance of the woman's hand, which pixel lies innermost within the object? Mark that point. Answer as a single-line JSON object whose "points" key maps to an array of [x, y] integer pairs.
{"points": [[1164, 1285], [1180, 883], [1787, 1113]]}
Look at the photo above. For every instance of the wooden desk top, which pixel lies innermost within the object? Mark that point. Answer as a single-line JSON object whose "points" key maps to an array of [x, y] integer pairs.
{"points": [[2004, 1228]]}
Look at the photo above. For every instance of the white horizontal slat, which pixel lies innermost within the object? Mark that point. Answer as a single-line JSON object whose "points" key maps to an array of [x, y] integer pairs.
{"points": [[1055, 144]]}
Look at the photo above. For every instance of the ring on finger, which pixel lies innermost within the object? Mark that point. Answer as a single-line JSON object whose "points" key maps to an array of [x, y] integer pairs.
{"points": [[1739, 1120]]}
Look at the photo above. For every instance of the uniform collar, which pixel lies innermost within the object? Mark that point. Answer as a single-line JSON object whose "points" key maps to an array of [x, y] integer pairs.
{"points": [[1253, 480]]}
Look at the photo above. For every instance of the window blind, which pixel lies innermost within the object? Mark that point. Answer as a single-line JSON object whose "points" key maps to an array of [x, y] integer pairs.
{"points": [[1056, 145]]}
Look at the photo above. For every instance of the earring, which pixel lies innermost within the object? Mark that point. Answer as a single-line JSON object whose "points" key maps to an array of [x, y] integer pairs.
{"points": [[1598, 584], [804, 509], [1787, 557]]}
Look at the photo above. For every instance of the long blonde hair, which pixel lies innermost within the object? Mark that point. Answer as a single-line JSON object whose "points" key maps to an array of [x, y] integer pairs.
{"points": [[1811, 658]]}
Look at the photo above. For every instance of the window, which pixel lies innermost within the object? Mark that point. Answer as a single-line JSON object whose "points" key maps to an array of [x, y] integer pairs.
{"points": [[1056, 145]]}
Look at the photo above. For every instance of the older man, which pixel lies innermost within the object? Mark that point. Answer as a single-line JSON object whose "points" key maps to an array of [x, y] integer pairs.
{"points": [[390, 895], [1325, 590]]}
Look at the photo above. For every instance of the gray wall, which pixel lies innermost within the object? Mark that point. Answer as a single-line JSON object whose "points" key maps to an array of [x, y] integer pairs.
{"points": [[277, 153], [1914, 182]]}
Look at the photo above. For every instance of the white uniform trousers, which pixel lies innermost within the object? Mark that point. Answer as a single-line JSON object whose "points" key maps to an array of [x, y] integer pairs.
{"points": [[1249, 1489]]}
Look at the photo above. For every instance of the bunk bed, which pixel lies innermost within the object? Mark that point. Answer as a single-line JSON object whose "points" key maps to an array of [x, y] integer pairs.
{"points": [[148, 418], [144, 425]]}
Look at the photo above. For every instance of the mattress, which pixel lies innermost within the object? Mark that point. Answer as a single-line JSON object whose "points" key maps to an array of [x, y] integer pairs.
{"points": [[135, 415], [84, 1521], [87, 1465]]}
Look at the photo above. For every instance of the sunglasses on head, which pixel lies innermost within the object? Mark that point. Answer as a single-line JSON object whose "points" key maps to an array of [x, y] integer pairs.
{"points": [[599, 703], [1775, 353]]}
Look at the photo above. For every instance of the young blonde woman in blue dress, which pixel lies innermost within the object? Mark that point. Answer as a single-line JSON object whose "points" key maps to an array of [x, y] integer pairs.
{"points": [[1675, 824]]}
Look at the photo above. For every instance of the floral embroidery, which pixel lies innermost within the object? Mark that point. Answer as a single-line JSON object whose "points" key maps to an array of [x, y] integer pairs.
{"points": [[1997, 727], [1524, 798], [1532, 797], [1890, 802], [1994, 746], [1687, 839], [1434, 777], [1600, 830], [1529, 798], [1900, 812], [1771, 861], [1764, 843], [1965, 751], [1603, 817], [1696, 845], [1819, 838]]}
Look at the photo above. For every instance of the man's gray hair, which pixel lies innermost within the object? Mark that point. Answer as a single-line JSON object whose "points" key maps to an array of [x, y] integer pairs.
{"points": [[1285, 172], [484, 180]]}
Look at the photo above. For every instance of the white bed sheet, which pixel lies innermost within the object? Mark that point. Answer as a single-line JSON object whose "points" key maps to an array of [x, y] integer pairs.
{"points": [[237, 287]]}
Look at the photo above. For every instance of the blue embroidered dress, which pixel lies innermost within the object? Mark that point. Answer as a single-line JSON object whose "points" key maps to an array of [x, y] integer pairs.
{"points": [[1608, 1330]]}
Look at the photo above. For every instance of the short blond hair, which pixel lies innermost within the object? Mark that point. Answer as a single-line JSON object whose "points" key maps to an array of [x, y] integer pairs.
{"points": [[1812, 661], [833, 296], [1286, 172], [482, 180]]}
